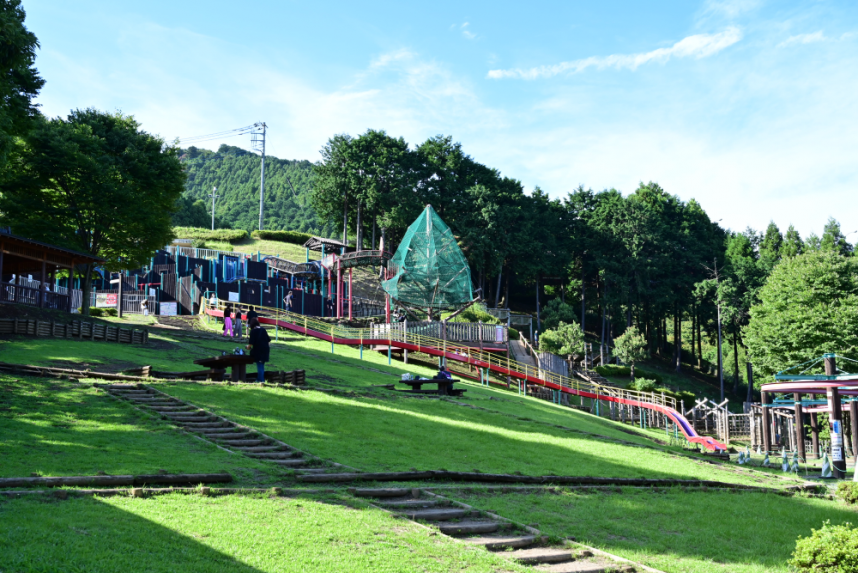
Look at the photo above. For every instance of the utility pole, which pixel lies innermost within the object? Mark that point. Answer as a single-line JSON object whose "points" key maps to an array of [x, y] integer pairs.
{"points": [[213, 196], [258, 143]]}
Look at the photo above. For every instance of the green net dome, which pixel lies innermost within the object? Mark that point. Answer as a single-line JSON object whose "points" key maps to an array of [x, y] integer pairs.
{"points": [[429, 269]]}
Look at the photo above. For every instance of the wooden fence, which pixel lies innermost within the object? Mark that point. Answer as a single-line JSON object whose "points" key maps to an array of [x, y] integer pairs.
{"points": [[76, 329]]}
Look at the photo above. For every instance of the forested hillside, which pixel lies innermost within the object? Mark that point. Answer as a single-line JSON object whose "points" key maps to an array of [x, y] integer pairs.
{"points": [[235, 173]]}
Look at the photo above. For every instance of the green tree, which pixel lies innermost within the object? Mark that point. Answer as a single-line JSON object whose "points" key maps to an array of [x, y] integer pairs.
{"points": [[770, 245], [792, 245], [20, 81], [556, 312], [808, 307], [834, 240], [566, 339], [630, 347], [96, 183]]}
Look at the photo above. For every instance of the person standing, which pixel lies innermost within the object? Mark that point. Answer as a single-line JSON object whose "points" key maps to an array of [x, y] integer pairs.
{"points": [[227, 321], [287, 301], [259, 347], [236, 323]]}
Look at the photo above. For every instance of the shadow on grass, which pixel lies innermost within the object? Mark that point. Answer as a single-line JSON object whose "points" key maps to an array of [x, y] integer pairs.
{"points": [[91, 535], [374, 435]]}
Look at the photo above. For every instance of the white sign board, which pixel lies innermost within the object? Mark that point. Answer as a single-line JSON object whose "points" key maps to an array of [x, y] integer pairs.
{"points": [[233, 297], [168, 309], [152, 292], [498, 333]]}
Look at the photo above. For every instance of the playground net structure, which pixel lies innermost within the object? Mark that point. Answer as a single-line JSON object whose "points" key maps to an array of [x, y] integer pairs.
{"points": [[429, 271]]}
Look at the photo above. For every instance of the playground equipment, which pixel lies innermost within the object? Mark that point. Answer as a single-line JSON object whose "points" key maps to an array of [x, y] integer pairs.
{"points": [[429, 271], [837, 386], [523, 374]]}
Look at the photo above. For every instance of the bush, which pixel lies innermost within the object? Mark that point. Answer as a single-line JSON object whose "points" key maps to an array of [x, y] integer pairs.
{"points": [[642, 385], [101, 312], [848, 490], [832, 549], [228, 235], [619, 371], [475, 313], [513, 334], [295, 237]]}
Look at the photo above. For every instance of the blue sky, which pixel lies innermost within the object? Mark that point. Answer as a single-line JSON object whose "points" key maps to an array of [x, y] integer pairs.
{"points": [[748, 106]]}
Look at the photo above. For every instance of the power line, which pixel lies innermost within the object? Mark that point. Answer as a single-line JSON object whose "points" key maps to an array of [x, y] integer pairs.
{"points": [[219, 135]]}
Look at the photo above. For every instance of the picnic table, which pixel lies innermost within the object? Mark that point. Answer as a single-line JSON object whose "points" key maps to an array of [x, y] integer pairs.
{"points": [[237, 363], [444, 386]]}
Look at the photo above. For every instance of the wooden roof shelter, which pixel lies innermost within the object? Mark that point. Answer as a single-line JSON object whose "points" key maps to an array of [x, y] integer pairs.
{"points": [[20, 256], [330, 245]]}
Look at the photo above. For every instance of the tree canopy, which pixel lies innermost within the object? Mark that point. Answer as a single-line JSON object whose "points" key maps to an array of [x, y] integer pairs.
{"points": [[96, 183], [808, 307]]}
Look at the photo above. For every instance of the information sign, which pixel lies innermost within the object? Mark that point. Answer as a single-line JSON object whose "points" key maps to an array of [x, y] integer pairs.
{"points": [[168, 308], [105, 300]]}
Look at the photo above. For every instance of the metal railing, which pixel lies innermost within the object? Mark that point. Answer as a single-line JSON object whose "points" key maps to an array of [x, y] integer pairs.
{"points": [[501, 363]]}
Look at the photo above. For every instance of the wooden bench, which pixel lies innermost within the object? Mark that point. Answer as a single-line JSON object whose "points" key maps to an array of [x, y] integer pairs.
{"points": [[444, 387], [237, 363]]}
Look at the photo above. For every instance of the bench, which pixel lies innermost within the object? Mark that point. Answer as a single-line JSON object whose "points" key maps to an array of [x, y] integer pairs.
{"points": [[237, 363], [444, 387]]}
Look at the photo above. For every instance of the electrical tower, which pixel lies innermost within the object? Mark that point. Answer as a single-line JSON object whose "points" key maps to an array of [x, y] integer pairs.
{"points": [[257, 143]]}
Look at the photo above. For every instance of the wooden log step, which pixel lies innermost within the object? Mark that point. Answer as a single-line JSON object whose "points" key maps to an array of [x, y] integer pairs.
{"points": [[242, 442], [466, 527], [190, 417], [271, 448], [196, 426], [115, 480], [272, 455], [417, 503], [435, 514], [289, 463], [380, 492], [311, 470], [537, 555], [230, 436], [168, 409], [387, 476], [500, 542]]}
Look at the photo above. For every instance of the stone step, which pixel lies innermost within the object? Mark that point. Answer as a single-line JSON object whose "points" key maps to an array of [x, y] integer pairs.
{"points": [[131, 391], [435, 514], [272, 455], [382, 492], [192, 418], [168, 409], [289, 463], [151, 398], [470, 526], [242, 442], [255, 449], [499, 542], [538, 555], [408, 503]]}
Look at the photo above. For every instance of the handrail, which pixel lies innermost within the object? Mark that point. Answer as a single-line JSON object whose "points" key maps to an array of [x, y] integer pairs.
{"points": [[505, 365]]}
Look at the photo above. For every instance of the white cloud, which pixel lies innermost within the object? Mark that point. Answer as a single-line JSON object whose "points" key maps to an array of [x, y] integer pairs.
{"points": [[729, 8], [466, 32], [697, 46], [804, 39]]}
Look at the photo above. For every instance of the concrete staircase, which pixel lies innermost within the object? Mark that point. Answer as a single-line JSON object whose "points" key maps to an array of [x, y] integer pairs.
{"points": [[216, 429], [524, 545]]}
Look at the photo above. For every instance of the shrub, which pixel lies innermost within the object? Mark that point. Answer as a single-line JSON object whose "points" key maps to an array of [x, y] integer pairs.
{"points": [[642, 385], [618, 371], [832, 549], [848, 490], [228, 235], [513, 334], [101, 312], [475, 313], [295, 237]]}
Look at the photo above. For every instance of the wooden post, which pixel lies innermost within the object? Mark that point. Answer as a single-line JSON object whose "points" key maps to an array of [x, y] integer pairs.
{"points": [[42, 278], [119, 298], [835, 420], [814, 434], [350, 294], [767, 438], [799, 427], [853, 423]]}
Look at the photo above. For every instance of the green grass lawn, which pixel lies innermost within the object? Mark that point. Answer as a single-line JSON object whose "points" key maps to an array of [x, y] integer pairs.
{"points": [[240, 534], [675, 531], [60, 428], [380, 430]]}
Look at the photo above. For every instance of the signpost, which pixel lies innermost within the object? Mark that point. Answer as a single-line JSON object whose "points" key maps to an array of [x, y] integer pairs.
{"points": [[168, 308], [105, 300]]}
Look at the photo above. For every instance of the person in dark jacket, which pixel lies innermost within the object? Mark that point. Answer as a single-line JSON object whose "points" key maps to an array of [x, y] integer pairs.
{"points": [[259, 347], [250, 314]]}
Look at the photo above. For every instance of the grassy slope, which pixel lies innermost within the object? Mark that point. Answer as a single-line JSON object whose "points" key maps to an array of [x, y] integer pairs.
{"points": [[676, 532], [381, 431], [57, 428], [227, 534]]}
